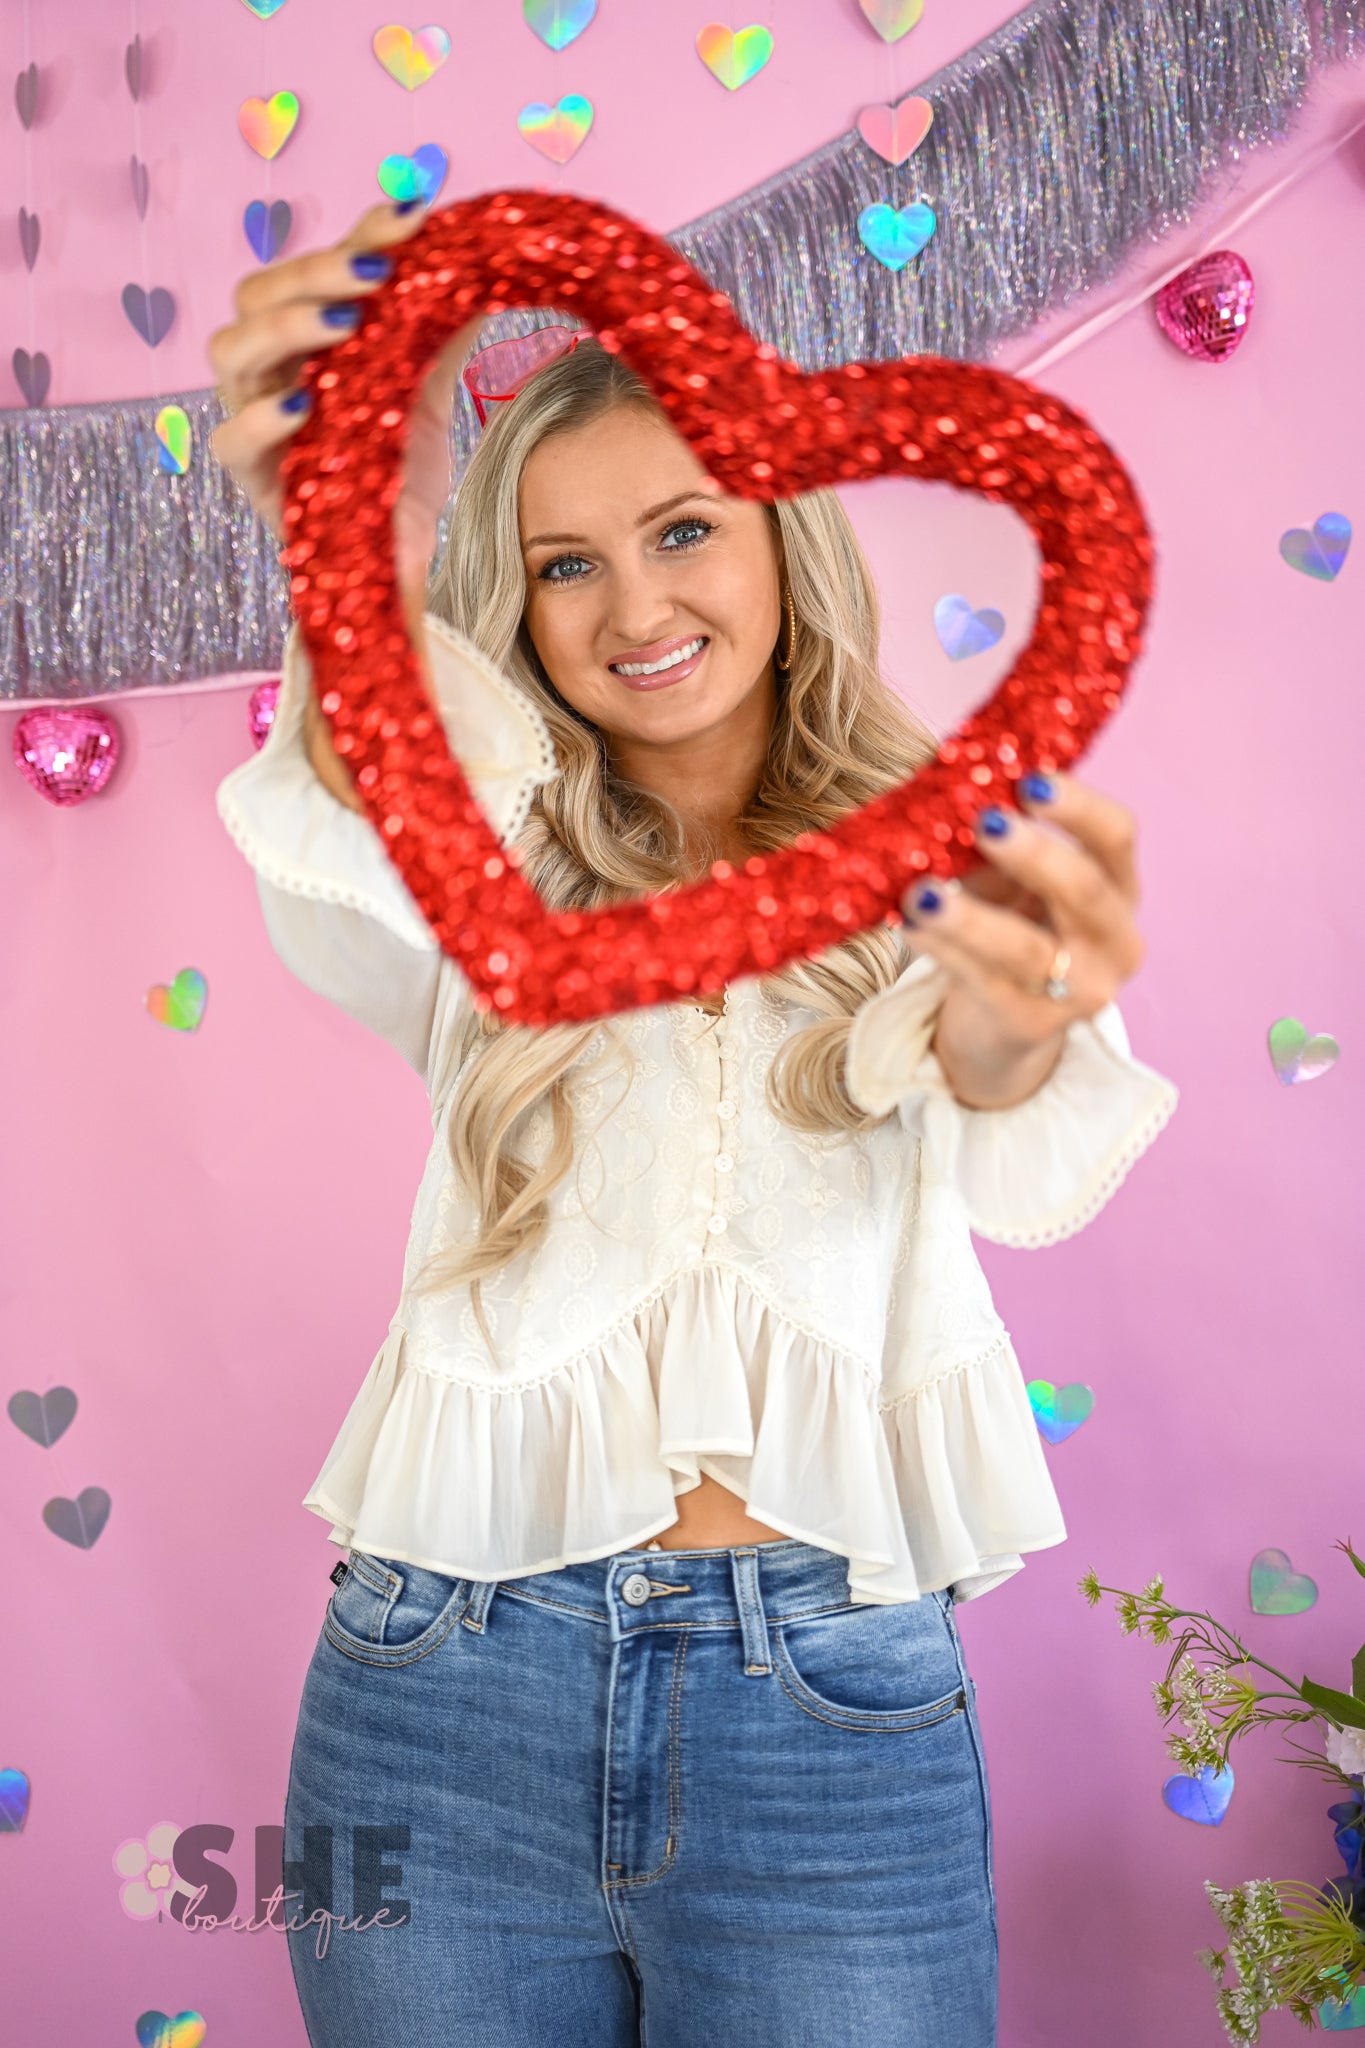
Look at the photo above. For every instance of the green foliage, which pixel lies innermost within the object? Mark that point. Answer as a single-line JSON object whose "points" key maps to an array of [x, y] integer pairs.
{"points": [[1342, 1707]]}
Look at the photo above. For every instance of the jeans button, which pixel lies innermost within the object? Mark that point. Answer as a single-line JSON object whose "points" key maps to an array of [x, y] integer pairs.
{"points": [[635, 1589]]}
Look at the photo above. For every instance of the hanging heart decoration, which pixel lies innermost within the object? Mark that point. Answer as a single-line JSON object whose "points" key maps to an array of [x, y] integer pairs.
{"points": [[181, 1003], [151, 313], [419, 176], [558, 22], [1059, 1411], [1203, 1798], [896, 132], [734, 56], [1320, 552], [892, 19], [894, 235], [26, 96], [560, 131], [963, 632], [267, 125], [14, 1791], [411, 56], [44, 1417], [132, 67], [30, 236], [764, 430], [137, 171], [1297, 1057], [81, 1520], [32, 373], [66, 753], [1276, 1588], [175, 439], [267, 227], [1205, 310], [158, 2030]]}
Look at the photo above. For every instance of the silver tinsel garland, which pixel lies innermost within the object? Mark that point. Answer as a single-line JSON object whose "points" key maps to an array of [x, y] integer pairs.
{"points": [[1079, 130]]}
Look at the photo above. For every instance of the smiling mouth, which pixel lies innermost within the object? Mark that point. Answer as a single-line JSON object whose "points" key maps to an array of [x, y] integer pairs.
{"points": [[644, 671]]}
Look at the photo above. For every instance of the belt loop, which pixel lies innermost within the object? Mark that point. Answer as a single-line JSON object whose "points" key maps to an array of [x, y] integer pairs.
{"points": [[476, 1607], [752, 1619]]}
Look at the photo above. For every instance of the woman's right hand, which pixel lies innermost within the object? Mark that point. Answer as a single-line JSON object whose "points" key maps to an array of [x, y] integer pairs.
{"points": [[283, 319]]}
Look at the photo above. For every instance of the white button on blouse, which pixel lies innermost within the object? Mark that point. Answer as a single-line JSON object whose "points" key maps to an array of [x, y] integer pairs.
{"points": [[821, 1341]]}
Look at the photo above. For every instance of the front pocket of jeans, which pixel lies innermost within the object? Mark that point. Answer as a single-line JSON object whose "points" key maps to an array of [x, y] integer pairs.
{"points": [[892, 1668], [386, 1611]]}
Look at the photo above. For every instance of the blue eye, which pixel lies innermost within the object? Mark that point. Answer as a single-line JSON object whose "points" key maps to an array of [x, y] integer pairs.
{"points": [[544, 575], [701, 528]]}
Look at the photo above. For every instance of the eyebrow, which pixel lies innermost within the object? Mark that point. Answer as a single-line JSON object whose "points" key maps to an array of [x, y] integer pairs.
{"points": [[539, 540]]}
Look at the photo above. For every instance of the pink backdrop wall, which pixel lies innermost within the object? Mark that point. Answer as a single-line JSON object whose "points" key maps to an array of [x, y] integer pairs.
{"points": [[204, 1231]]}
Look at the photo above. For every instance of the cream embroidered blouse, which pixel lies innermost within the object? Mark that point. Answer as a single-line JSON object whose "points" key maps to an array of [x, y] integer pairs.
{"points": [[802, 1318]]}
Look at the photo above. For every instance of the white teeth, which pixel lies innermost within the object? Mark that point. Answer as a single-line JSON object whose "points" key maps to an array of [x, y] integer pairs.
{"points": [[653, 668]]}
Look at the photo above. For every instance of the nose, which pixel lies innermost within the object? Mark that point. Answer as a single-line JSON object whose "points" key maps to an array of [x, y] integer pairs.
{"points": [[639, 608]]}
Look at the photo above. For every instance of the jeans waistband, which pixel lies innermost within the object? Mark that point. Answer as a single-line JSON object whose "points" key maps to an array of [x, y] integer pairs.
{"points": [[743, 1587]]}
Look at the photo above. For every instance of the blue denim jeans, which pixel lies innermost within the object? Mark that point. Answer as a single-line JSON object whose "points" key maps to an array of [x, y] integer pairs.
{"points": [[666, 1799]]}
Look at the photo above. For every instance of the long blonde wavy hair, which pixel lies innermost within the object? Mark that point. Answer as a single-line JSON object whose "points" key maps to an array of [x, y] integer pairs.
{"points": [[839, 739]]}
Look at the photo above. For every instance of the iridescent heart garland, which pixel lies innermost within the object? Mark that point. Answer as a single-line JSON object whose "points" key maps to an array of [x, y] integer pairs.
{"points": [[65, 754], [265, 126], [150, 308], [412, 58], [32, 369], [898, 227], [558, 130]]}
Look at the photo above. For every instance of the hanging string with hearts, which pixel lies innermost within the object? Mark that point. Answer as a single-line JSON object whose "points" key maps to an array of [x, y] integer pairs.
{"points": [[32, 369]]}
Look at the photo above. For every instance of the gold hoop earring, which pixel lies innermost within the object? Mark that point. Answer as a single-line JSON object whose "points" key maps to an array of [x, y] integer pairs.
{"points": [[784, 661]]}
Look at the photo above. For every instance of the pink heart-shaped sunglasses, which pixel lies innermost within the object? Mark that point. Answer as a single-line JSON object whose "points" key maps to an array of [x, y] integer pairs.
{"points": [[496, 373]]}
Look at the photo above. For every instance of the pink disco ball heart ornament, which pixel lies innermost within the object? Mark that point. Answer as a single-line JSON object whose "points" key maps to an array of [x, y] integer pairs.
{"points": [[260, 710], [66, 755], [1205, 310]]}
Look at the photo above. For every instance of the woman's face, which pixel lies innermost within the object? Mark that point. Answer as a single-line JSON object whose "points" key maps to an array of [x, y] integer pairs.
{"points": [[633, 555]]}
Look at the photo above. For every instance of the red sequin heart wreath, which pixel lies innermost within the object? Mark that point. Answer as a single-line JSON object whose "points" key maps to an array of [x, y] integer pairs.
{"points": [[764, 429]]}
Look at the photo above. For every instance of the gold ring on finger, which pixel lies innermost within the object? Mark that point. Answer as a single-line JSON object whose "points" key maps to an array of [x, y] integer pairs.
{"points": [[1056, 985]]}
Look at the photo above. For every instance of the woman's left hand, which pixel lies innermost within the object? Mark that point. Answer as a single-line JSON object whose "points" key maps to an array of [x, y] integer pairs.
{"points": [[1046, 903]]}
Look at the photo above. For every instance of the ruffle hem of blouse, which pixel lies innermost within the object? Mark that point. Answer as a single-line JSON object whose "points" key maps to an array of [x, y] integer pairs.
{"points": [[595, 1452]]}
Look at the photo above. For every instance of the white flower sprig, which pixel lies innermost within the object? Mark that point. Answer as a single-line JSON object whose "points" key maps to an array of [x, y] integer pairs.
{"points": [[1206, 1687], [1290, 1948]]}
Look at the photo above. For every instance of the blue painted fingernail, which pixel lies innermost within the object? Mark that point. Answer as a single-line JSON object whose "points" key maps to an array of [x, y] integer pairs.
{"points": [[344, 315], [1039, 789], [296, 401], [406, 205], [372, 263], [993, 822], [926, 900]]}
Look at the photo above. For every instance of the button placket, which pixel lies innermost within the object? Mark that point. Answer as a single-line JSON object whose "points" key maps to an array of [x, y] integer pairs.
{"points": [[724, 1160]]}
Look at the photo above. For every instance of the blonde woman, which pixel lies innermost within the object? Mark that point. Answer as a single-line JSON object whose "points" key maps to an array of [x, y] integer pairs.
{"points": [[639, 1713]]}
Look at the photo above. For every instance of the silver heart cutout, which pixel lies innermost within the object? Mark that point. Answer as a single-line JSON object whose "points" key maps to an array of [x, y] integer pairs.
{"points": [[30, 234], [78, 1521], [132, 67], [137, 171], [151, 313], [44, 1417], [33, 375], [26, 95]]}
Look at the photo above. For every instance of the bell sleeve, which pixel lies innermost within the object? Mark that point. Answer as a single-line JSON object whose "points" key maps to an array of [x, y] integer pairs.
{"points": [[1040, 1170], [336, 909]]}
